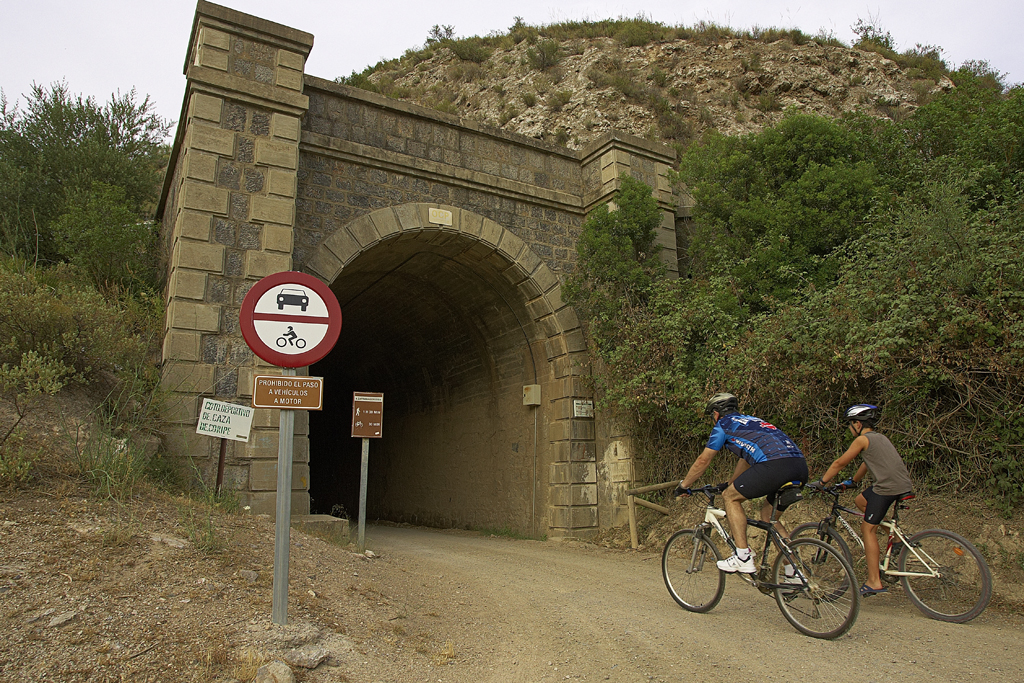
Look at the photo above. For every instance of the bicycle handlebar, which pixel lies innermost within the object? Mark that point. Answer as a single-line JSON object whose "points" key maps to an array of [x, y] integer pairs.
{"points": [[709, 489], [831, 489]]}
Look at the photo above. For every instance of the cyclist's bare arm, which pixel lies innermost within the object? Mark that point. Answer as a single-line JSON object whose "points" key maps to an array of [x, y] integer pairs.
{"points": [[858, 445], [698, 467]]}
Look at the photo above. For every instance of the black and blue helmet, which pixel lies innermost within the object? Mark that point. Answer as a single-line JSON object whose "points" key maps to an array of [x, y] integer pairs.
{"points": [[862, 412], [723, 402]]}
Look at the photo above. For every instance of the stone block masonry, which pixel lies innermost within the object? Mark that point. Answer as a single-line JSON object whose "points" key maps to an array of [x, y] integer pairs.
{"points": [[228, 208], [273, 169]]}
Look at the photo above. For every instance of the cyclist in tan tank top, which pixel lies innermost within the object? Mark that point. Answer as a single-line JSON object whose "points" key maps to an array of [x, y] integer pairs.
{"points": [[892, 481]]}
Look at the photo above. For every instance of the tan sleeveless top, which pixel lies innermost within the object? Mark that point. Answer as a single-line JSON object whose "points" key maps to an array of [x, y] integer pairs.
{"points": [[886, 465]]}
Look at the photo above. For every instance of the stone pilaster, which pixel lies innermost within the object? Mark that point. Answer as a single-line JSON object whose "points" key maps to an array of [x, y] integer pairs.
{"points": [[229, 216]]}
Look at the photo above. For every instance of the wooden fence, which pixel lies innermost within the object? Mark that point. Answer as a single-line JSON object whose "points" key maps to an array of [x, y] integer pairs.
{"points": [[632, 501]]}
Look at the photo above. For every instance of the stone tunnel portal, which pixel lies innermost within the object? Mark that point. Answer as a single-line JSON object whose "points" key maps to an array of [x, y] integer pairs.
{"points": [[273, 170], [429, 321]]}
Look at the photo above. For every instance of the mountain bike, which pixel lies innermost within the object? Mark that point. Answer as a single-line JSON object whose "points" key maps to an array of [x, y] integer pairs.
{"points": [[819, 598], [942, 573]]}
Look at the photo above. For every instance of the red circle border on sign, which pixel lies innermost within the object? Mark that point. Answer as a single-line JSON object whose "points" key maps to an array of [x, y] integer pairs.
{"points": [[284, 360]]}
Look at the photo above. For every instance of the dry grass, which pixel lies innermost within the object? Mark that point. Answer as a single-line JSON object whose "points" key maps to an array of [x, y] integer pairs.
{"points": [[445, 654], [248, 664]]}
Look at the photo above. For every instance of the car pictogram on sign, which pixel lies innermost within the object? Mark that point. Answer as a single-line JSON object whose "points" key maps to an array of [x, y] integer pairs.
{"points": [[292, 297], [290, 319]]}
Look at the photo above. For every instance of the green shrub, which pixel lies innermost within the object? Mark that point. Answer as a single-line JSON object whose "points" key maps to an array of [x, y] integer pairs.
{"points": [[768, 102], [101, 234], [470, 49], [53, 313], [23, 385], [15, 460], [113, 466], [529, 98], [558, 99], [834, 262], [507, 114], [519, 32], [57, 149], [640, 31], [544, 55], [359, 80]]}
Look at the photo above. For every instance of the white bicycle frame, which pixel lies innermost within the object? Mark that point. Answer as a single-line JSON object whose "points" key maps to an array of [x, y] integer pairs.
{"points": [[713, 517], [894, 530]]}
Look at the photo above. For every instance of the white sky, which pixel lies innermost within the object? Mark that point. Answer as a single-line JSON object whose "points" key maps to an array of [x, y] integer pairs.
{"points": [[102, 47]]}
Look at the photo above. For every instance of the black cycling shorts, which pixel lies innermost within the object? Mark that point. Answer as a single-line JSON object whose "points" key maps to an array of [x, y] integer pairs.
{"points": [[878, 505], [765, 478]]}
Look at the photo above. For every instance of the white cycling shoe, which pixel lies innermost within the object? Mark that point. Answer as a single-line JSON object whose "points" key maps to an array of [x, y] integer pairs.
{"points": [[733, 564]]}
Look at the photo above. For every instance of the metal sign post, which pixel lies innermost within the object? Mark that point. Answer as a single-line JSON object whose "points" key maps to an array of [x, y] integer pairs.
{"points": [[291, 320], [364, 466], [283, 520], [367, 422]]}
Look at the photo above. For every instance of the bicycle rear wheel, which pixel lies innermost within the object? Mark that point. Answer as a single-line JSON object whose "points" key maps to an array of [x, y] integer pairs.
{"points": [[827, 602], [691, 575], [963, 587]]}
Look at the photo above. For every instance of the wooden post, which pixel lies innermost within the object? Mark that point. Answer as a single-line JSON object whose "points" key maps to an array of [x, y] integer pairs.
{"points": [[220, 465], [631, 504], [649, 505], [632, 501]]}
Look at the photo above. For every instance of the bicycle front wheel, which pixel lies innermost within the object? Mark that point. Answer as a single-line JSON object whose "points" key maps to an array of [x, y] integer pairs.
{"points": [[953, 582], [691, 574], [825, 602]]}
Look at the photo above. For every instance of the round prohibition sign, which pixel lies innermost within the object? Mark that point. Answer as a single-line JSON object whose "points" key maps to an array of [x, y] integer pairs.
{"points": [[290, 319]]}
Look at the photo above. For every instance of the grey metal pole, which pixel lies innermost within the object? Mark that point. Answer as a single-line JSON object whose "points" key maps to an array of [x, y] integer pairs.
{"points": [[283, 520], [361, 542]]}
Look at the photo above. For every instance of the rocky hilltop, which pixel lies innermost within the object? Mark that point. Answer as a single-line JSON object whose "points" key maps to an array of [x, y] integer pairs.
{"points": [[571, 91]]}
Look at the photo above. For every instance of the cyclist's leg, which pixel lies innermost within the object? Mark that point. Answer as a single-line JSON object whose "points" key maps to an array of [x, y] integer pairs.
{"points": [[874, 506], [733, 504], [766, 516], [785, 470], [869, 532]]}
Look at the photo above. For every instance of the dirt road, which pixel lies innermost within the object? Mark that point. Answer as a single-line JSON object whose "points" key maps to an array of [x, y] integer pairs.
{"points": [[158, 591], [532, 611]]}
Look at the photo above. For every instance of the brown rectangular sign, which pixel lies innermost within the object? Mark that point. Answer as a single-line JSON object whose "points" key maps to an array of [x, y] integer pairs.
{"points": [[291, 393], [367, 414]]}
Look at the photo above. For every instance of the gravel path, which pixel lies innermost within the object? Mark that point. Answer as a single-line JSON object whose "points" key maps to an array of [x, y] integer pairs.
{"points": [[161, 590]]}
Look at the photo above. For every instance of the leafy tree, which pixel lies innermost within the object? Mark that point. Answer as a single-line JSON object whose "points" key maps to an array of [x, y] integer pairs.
{"points": [[55, 149], [618, 259], [773, 206], [107, 240]]}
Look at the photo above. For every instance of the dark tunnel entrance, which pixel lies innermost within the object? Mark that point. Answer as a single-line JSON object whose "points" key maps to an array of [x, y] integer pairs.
{"points": [[429, 321]]}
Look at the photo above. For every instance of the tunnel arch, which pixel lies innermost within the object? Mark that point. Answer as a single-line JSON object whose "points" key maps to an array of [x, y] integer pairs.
{"points": [[450, 315]]}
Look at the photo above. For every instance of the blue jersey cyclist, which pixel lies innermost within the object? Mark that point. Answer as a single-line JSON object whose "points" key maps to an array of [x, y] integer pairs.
{"points": [[767, 459]]}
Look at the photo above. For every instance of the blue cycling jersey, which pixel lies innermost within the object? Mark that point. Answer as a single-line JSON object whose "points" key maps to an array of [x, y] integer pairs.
{"points": [[752, 439]]}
